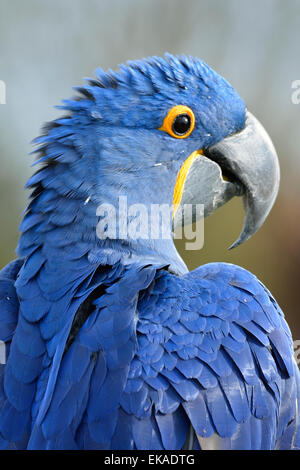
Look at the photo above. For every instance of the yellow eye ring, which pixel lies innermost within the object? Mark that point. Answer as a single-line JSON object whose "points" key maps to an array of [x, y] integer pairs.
{"points": [[179, 122]]}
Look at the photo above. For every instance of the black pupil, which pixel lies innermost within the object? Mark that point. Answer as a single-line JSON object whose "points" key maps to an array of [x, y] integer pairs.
{"points": [[181, 124]]}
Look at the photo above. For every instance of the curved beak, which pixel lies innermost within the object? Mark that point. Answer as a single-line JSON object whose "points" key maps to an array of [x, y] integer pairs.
{"points": [[243, 164]]}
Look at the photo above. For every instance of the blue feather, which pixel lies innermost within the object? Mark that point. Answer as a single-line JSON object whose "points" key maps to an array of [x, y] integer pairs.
{"points": [[173, 429], [199, 416], [223, 420], [146, 434]]}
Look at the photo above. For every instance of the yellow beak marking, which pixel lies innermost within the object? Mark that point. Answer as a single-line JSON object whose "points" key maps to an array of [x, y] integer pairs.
{"points": [[181, 177]]}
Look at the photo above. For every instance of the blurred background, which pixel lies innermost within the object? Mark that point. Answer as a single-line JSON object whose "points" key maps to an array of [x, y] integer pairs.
{"points": [[47, 46]]}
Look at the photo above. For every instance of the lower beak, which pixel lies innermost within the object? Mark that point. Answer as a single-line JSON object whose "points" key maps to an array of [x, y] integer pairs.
{"points": [[243, 164]]}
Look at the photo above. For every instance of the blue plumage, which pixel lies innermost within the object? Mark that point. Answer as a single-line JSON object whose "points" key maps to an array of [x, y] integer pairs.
{"points": [[112, 344]]}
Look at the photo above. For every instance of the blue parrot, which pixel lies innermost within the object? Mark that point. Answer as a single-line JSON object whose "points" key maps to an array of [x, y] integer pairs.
{"points": [[110, 342]]}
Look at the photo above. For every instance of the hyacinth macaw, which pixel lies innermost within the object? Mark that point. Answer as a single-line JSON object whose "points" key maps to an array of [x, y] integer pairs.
{"points": [[110, 342]]}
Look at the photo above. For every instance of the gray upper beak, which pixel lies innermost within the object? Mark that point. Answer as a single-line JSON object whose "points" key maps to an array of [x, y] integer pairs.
{"points": [[245, 164]]}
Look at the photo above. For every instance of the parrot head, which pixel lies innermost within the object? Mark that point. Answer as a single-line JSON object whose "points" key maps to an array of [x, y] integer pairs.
{"points": [[158, 131]]}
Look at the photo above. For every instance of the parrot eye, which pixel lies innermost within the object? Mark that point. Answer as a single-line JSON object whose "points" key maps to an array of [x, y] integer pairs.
{"points": [[179, 122]]}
